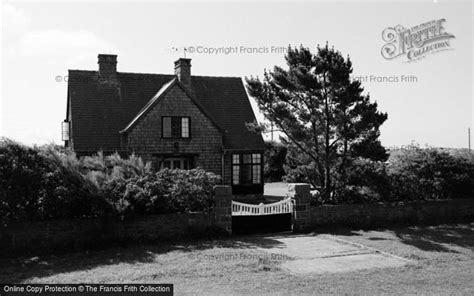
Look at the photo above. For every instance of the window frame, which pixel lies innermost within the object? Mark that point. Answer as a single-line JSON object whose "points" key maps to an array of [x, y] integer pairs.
{"points": [[251, 164], [172, 118], [184, 163]]}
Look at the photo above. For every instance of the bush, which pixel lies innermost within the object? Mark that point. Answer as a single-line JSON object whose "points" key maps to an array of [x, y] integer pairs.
{"points": [[190, 190], [412, 174], [50, 182], [133, 188], [364, 181], [430, 174], [36, 185], [171, 191]]}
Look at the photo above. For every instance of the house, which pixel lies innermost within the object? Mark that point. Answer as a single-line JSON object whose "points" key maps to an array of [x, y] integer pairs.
{"points": [[175, 121]]}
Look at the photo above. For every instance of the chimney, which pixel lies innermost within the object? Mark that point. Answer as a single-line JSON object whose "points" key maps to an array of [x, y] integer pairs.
{"points": [[182, 69], [107, 65]]}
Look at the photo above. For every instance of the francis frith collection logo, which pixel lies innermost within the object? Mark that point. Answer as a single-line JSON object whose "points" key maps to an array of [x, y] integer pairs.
{"points": [[416, 42]]}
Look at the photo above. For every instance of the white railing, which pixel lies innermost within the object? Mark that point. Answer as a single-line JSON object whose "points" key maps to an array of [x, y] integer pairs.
{"points": [[279, 207]]}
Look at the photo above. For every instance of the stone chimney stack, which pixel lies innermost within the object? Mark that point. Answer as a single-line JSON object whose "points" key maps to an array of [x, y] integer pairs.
{"points": [[107, 65], [182, 69]]}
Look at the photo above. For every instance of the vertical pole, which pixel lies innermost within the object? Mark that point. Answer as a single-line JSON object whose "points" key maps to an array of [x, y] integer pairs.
{"points": [[469, 138]]}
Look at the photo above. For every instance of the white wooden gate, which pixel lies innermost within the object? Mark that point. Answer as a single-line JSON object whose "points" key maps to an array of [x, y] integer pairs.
{"points": [[280, 207]]}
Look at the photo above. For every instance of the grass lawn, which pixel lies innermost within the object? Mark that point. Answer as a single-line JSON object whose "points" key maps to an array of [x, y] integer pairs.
{"points": [[444, 265]]}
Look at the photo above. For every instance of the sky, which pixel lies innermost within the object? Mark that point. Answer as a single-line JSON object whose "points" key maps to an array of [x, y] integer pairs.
{"points": [[42, 40]]}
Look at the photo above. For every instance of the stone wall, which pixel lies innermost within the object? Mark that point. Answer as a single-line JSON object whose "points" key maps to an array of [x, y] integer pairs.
{"points": [[68, 235], [308, 218], [397, 213]]}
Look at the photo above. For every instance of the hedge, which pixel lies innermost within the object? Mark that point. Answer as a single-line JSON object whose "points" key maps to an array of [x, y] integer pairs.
{"points": [[50, 182]]}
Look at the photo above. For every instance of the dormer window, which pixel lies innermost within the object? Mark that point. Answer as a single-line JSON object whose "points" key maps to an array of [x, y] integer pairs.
{"points": [[175, 127]]}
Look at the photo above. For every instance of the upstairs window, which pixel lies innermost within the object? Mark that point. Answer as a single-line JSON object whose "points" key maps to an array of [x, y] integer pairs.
{"points": [[175, 127]]}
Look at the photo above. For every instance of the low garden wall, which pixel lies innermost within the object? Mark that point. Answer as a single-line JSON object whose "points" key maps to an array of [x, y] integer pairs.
{"points": [[400, 213], [34, 238], [307, 218], [62, 235]]}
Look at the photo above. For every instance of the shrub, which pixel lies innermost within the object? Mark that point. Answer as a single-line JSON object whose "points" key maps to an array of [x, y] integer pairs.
{"points": [[36, 185], [171, 191], [141, 195], [411, 174], [132, 187], [430, 174], [50, 182], [21, 171], [364, 181], [190, 190]]}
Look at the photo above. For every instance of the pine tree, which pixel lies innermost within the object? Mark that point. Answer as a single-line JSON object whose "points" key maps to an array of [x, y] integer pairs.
{"points": [[321, 111]]}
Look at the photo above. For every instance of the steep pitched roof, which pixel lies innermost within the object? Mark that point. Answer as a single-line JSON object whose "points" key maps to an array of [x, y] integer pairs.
{"points": [[225, 98], [160, 94], [101, 110]]}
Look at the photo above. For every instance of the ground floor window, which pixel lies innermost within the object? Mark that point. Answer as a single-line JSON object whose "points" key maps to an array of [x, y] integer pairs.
{"points": [[246, 168], [183, 163]]}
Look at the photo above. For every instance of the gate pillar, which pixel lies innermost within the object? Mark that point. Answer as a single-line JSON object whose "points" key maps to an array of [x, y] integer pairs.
{"points": [[300, 192], [223, 207]]}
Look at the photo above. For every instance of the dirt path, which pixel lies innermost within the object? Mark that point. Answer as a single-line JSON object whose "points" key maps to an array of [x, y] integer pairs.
{"points": [[327, 253]]}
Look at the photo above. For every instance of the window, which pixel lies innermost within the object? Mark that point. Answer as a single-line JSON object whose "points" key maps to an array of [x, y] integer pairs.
{"points": [[175, 127], [176, 163], [246, 169], [185, 127]]}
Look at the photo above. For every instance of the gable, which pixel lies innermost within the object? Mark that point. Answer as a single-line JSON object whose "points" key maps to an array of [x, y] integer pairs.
{"points": [[174, 102], [171, 88]]}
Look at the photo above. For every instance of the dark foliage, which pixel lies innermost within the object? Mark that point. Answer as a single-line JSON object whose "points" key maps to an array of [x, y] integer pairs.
{"points": [[411, 174], [49, 182], [275, 158], [430, 174], [35, 185], [169, 191]]}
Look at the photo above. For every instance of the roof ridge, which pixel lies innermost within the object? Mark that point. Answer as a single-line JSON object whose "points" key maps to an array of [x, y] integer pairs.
{"points": [[205, 76], [78, 70], [142, 73], [158, 74]]}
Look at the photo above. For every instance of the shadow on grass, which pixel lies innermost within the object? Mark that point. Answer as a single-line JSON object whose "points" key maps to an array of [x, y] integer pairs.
{"points": [[437, 238], [21, 269], [426, 238]]}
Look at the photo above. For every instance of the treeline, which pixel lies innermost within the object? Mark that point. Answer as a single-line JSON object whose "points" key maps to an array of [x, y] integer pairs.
{"points": [[408, 174]]}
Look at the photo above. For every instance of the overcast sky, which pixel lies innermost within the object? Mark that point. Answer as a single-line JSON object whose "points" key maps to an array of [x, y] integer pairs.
{"points": [[41, 41]]}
